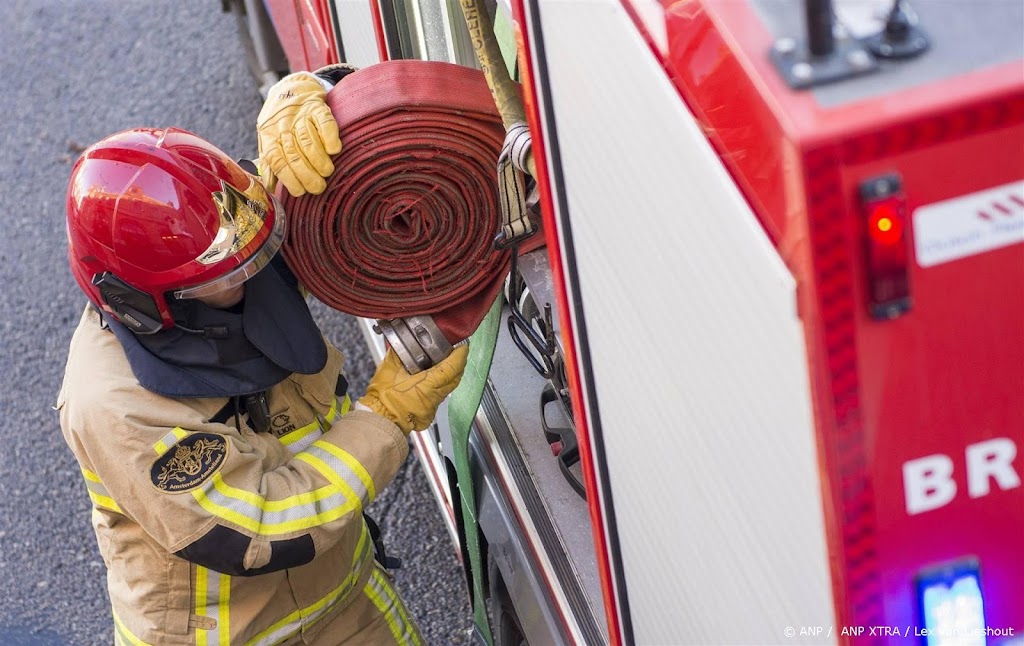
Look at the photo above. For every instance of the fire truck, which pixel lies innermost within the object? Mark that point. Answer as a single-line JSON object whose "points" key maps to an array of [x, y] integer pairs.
{"points": [[764, 383]]}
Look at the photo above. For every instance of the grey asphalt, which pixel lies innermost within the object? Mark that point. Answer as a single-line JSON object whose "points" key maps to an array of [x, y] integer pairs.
{"points": [[72, 72]]}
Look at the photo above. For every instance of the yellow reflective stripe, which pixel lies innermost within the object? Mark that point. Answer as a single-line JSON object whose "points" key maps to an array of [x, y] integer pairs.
{"points": [[257, 500], [333, 413], [212, 599], [98, 493], [351, 463], [302, 437], [105, 502], [362, 552], [300, 433], [123, 633], [224, 606], [167, 441], [200, 601], [403, 612], [333, 477], [311, 512], [371, 591], [279, 631], [413, 632], [90, 476], [387, 602], [288, 626]]}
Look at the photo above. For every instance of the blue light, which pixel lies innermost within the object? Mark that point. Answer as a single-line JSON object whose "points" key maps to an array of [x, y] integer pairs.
{"points": [[954, 611]]}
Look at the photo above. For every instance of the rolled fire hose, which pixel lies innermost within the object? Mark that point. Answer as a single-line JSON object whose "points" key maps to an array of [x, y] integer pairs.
{"points": [[407, 222]]}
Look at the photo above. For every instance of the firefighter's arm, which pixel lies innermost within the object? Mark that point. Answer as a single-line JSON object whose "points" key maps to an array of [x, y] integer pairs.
{"points": [[239, 503], [296, 132]]}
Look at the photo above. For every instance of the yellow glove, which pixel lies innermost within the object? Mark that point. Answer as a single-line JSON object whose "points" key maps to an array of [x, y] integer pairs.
{"points": [[297, 135], [411, 401]]}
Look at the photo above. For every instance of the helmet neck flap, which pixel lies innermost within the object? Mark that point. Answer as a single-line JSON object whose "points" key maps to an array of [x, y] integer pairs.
{"points": [[271, 337]]}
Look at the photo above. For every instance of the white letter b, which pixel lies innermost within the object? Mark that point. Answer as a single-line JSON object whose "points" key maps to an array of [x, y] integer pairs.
{"points": [[928, 483]]}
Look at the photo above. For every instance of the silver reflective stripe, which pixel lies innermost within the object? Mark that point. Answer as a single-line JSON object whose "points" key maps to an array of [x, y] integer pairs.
{"points": [[269, 518], [213, 600], [97, 488], [299, 439], [101, 498], [279, 633], [343, 471], [292, 624], [384, 597], [305, 442], [169, 440], [363, 552]]}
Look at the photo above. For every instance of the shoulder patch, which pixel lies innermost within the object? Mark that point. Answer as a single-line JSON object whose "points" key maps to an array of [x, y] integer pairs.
{"points": [[189, 463]]}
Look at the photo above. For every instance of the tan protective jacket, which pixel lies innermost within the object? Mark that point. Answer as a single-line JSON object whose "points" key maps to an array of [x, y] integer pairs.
{"points": [[213, 533]]}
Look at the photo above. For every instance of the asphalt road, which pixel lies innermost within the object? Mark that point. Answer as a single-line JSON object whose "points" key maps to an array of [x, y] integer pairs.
{"points": [[74, 71]]}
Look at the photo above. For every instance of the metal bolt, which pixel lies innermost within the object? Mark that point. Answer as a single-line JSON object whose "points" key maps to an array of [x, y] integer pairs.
{"points": [[785, 45], [885, 48], [802, 71], [859, 59]]}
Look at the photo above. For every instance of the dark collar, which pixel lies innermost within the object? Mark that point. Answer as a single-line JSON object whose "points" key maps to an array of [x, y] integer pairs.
{"points": [[273, 336]]}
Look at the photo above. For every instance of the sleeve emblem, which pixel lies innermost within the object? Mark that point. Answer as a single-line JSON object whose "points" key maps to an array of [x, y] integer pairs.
{"points": [[189, 462]]}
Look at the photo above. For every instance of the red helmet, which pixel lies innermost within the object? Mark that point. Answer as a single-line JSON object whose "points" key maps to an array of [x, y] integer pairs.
{"points": [[158, 212]]}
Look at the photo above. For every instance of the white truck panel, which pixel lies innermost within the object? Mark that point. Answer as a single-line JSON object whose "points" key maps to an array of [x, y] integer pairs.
{"points": [[358, 33], [695, 348]]}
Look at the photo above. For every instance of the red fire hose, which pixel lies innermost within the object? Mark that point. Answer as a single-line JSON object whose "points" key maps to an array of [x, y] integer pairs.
{"points": [[407, 222]]}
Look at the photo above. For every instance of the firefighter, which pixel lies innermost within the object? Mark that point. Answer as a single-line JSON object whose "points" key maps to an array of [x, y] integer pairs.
{"points": [[226, 462]]}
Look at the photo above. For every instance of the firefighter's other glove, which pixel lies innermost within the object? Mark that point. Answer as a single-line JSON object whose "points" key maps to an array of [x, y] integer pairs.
{"points": [[297, 135], [411, 401]]}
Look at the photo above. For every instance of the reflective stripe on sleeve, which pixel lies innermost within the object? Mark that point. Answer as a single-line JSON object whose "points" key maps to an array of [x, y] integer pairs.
{"points": [[98, 493], [213, 598], [290, 625], [346, 493], [340, 468], [273, 517], [123, 635], [384, 597], [169, 440], [300, 439]]}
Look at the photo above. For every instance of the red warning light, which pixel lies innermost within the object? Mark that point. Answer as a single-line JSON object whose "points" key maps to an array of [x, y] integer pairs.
{"points": [[885, 224], [886, 258]]}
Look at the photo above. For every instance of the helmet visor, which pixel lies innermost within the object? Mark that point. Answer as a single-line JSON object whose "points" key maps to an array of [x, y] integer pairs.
{"points": [[253, 265]]}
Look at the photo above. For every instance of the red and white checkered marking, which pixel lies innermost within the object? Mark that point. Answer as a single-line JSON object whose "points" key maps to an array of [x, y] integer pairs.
{"points": [[969, 225]]}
